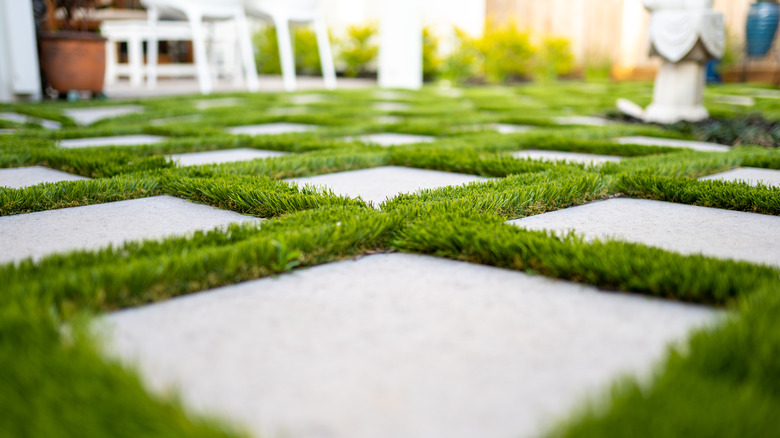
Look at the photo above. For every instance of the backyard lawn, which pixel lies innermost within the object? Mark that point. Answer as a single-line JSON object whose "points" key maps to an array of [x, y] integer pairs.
{"points": [[294, 181]]}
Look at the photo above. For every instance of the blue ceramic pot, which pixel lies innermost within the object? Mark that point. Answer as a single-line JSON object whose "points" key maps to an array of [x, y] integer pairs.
{"points": [[761, 27]]}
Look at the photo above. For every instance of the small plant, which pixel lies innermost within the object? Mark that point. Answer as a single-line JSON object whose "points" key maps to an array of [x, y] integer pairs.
{"points": [[359, 49], [597, 67], [307, 55], [463, 63], [507, 53], [431, 61], [70, 15], [554, 59]]}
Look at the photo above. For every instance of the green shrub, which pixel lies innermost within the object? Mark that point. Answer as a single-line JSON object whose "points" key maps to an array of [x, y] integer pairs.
{"points": [[431, 60], [507, 52], [358, 50], [462, 64], [554, 58], [307, 56]]}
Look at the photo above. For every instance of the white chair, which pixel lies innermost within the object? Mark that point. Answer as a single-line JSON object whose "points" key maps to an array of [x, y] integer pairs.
{"points": [[282, 13], [196, 11]]}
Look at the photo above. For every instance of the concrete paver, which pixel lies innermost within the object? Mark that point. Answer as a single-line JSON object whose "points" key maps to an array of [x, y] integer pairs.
{"points": [[397, 345], [680, 228]]}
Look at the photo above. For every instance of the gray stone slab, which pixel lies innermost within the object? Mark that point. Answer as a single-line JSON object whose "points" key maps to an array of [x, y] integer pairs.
{"points": [[271, 129], [176, 119], [7, 131], [388, 120], [29, 176], [205, 104], [734, 100], [288, 111], [673, 143], [391, 94], [380, 183], [23, 118], [583, 120], [95, 226], [391, 106], [397, 345], [393, 139], [504, 128], [223, 156], [569, 157], [750, 175], [88, 116], [306, 99], [680, 228], [121, 140]]}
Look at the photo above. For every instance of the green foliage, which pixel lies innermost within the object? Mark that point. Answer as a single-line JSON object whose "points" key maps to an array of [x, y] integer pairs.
{"points": [[597, 66], [307, 55], [358, 50], [56, 382], [463, 63], [554, 58], [431, 61], [507, 53]]}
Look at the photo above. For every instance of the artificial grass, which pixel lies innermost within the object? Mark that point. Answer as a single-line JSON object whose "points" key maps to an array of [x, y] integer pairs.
{"points": [[49, 372]]}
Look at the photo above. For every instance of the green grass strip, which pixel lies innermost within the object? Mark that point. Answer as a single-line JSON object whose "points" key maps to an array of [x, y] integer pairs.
{"points": [[706, 193], [608, 265]]}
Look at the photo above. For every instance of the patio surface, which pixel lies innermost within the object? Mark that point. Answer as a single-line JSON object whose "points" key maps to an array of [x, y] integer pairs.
{"points": [[529, 252]]}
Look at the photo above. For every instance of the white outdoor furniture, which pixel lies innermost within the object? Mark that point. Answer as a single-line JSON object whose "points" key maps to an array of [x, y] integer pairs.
{"points": [[196, 11], [282, 13], [134, 33]]}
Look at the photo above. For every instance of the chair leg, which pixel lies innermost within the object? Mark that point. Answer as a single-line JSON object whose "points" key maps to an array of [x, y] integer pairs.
{"points": [[151, 62], [326, 55], [111, 62], [247, 54], [285, 52], [199, 49], [135, 56]]}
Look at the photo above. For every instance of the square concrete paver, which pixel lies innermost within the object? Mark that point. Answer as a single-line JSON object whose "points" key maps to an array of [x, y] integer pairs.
{"points": [[29, 176], [669, 142], [503, 128], [393, 139], [176, 119], [583, 121], [271, 129], [223, 156], [391, 106], [680, 228], [205, 104], [121, 140], [569, 157], [42, 233], [396, 345], [306, 99], [380, 183], [750, 175], [88, 116], [22, 118]]}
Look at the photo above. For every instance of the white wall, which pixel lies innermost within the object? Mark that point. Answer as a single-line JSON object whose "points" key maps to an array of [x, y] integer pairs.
{"points": [[19, 74], [441, 14]]}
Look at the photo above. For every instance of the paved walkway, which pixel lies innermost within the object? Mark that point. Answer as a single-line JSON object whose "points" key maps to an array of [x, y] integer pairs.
{"points": [[392, 345]]}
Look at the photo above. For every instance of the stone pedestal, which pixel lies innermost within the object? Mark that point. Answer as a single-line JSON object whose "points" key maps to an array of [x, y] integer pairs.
{"points": [[685, 34], [678, 93]]}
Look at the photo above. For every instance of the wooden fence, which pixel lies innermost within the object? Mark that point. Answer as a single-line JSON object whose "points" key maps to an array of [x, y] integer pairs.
{"points": [[607, 29]]}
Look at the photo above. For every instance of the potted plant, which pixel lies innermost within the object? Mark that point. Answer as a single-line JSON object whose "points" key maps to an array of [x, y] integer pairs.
{"points": [[72, 53], [761, 27]]}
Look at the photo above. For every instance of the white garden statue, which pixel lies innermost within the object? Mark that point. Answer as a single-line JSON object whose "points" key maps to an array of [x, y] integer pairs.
{"points": [[686, 34]]}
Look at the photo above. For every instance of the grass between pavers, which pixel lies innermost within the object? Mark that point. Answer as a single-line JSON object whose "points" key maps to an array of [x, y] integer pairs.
{"points": [[309, 227]]}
